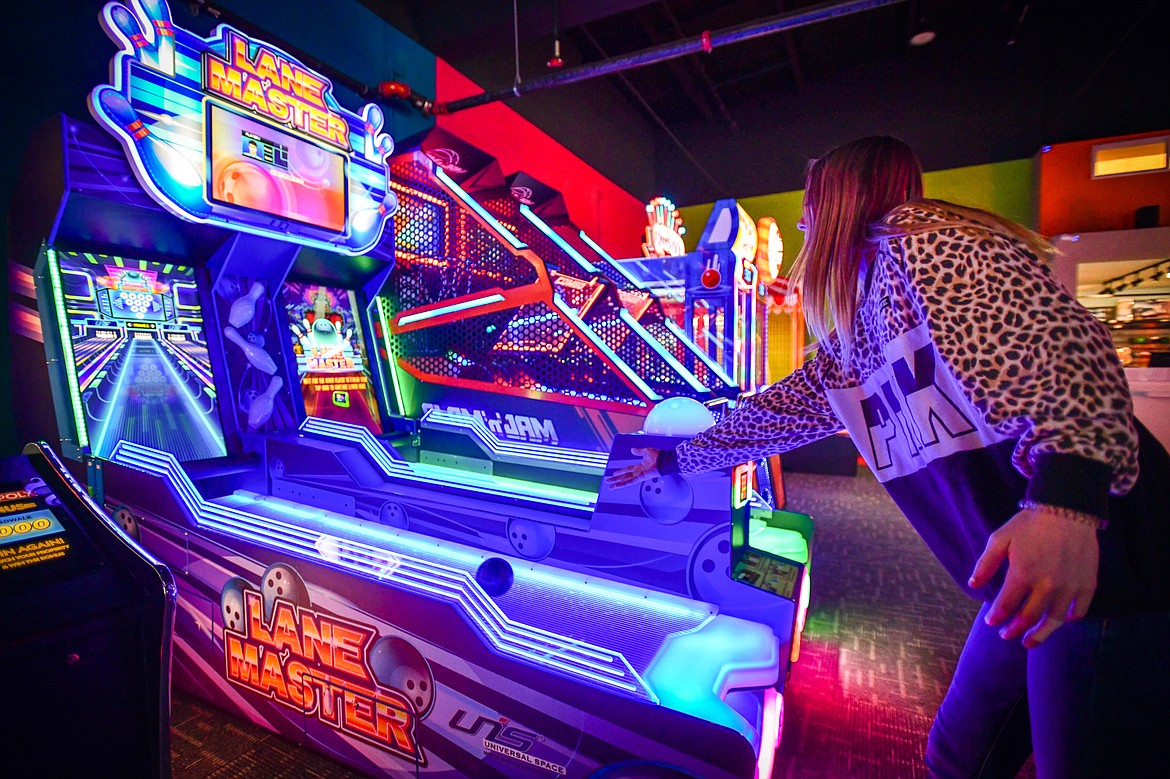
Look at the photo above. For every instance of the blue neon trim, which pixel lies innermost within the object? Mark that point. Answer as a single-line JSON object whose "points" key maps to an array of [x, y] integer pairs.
{"points": [[541, 647], [406, 319], [417, 473], [605, 255], [694, 347], [568, 311], [645, 335], [497, 447], [559, 241], [477, 208]]}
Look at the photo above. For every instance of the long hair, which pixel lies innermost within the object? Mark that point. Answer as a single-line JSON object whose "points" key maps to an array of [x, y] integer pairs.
{"points": [[848, 193], [848, 189]]}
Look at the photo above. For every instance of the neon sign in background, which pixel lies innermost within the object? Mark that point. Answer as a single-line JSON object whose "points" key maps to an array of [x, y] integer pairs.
{"points": [[169, 91]]}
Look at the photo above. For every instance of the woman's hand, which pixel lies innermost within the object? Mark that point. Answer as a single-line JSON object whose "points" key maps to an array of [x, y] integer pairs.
{"points": [[1051, 574], [632, 474]]}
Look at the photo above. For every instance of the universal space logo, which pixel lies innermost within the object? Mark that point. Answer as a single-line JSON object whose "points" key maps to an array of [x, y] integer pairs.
{"points": [[502, 738], [374, 688]]}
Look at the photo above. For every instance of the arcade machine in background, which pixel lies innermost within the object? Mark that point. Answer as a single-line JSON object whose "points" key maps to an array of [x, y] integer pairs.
{"points": [[87, 617], [736, 306], [314, 597]]}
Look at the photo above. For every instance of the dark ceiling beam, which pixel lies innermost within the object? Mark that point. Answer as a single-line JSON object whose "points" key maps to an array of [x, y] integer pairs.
{"points": [[697, 64], [480, 29], [790, 49], [681, 73], [708, 40], [720, 187]]}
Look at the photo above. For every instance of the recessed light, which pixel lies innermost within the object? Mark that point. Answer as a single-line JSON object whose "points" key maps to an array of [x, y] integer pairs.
{"points": [[922, 38]]}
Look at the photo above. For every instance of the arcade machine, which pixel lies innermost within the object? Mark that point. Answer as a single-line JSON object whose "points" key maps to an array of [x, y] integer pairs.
{"points": [[87, 631], [234, 328]]}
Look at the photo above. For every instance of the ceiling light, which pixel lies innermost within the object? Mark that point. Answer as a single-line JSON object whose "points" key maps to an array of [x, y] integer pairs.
{"points": [[922, 38]]}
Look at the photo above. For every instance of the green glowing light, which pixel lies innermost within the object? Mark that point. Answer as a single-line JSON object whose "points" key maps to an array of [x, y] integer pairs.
{"points": [[391, 359], [67, 350]]}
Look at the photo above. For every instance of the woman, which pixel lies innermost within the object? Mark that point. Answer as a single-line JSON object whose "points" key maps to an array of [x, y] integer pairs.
{"points": [[993, 409]]}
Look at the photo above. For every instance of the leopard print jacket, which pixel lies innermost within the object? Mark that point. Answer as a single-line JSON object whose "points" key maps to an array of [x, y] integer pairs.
{"points": [[964, 340]]}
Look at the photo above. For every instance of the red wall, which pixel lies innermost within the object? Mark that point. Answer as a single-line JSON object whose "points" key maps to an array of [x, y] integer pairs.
{"points": [[1070, 200], [610, 215]]}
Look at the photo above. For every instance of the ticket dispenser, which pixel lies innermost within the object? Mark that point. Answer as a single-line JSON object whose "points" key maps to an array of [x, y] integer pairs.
{"points": [[86, 637]]}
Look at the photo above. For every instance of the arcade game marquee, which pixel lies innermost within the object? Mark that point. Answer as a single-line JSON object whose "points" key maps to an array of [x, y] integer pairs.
{"points": [[361, 404]]}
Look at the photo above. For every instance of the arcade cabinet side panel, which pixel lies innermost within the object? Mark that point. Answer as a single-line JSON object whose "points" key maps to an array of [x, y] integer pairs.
{"points": [[32, 221]]}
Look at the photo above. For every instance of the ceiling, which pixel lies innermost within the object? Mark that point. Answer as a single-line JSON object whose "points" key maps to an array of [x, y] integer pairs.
{"points": [[1000, 79]]}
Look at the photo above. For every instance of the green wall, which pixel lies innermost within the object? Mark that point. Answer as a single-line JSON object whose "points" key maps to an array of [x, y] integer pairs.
{"points": [[1002, 187]]}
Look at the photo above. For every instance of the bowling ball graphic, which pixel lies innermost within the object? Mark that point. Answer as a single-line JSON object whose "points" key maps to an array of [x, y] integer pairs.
{"points": [[394, 515], [244, 184], [709, 568], [126, 520], [282, 581], [231, 603], [495, 576], [531, 539], [397, 664], [666, 499]]}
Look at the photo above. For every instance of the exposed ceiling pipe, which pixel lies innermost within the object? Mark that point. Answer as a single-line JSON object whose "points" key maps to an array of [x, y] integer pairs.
{"points": [[704, 42]]}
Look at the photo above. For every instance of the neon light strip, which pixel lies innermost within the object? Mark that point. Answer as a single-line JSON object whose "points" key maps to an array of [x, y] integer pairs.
{"points": [[559, 241], [620, 269], [568, 311], [644, 334], [406, 319], [480, 433], [681, 335], [401, 470], [390, 358], [477, 208], [577, 658], [67, 349]]}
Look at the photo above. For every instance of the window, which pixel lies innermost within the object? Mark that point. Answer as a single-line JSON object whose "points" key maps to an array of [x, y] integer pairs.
{"points": [[1143, 155]]}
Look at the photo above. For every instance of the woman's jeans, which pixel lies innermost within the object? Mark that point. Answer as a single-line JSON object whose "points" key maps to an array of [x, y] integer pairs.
{"points": [[1091, 701]]}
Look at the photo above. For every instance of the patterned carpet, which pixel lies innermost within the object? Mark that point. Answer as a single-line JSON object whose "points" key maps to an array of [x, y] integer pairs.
{"points": [[884, 631]]}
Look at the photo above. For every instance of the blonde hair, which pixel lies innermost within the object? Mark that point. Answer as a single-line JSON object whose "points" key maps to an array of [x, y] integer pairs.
{"points": [[849, 193]]}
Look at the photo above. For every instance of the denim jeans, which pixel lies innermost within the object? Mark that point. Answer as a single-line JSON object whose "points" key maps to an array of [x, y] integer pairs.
{"points": [[1092, 701]]}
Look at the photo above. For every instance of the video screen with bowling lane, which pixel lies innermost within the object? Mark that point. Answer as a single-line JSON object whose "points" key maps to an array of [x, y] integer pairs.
{"points": [[403, 551], [143, 370]]}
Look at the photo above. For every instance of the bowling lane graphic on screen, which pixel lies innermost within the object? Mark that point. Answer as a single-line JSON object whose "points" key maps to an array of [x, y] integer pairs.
{"points": [[330, 349], [143, 370]]}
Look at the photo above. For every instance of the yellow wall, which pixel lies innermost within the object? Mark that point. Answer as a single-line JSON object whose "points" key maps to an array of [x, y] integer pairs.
{"points": [[1002, 187]]}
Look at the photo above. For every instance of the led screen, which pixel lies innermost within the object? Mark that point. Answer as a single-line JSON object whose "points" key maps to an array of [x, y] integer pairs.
{"points": [[259, 167], [331, 354], [766, 572], [142, 366]]}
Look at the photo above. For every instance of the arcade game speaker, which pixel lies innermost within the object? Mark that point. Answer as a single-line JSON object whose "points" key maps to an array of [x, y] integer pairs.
{"points": [[86, 647]]}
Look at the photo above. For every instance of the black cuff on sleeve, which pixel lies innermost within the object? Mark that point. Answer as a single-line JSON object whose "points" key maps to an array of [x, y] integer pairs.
{"points": [[667, 462], [1071, 481]]}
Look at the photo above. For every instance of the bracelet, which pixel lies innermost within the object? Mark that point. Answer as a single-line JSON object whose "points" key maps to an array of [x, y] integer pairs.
{"points": [[1067, 513]]}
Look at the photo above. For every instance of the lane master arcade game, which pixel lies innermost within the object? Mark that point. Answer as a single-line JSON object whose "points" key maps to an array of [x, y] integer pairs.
{"points": [[206, 273]]}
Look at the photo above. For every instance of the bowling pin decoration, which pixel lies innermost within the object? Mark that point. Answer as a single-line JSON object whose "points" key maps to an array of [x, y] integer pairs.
{"points": [[162, 160], [257, 357], [370, 217], [146, 31], [261, 408], [244, 308]]}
